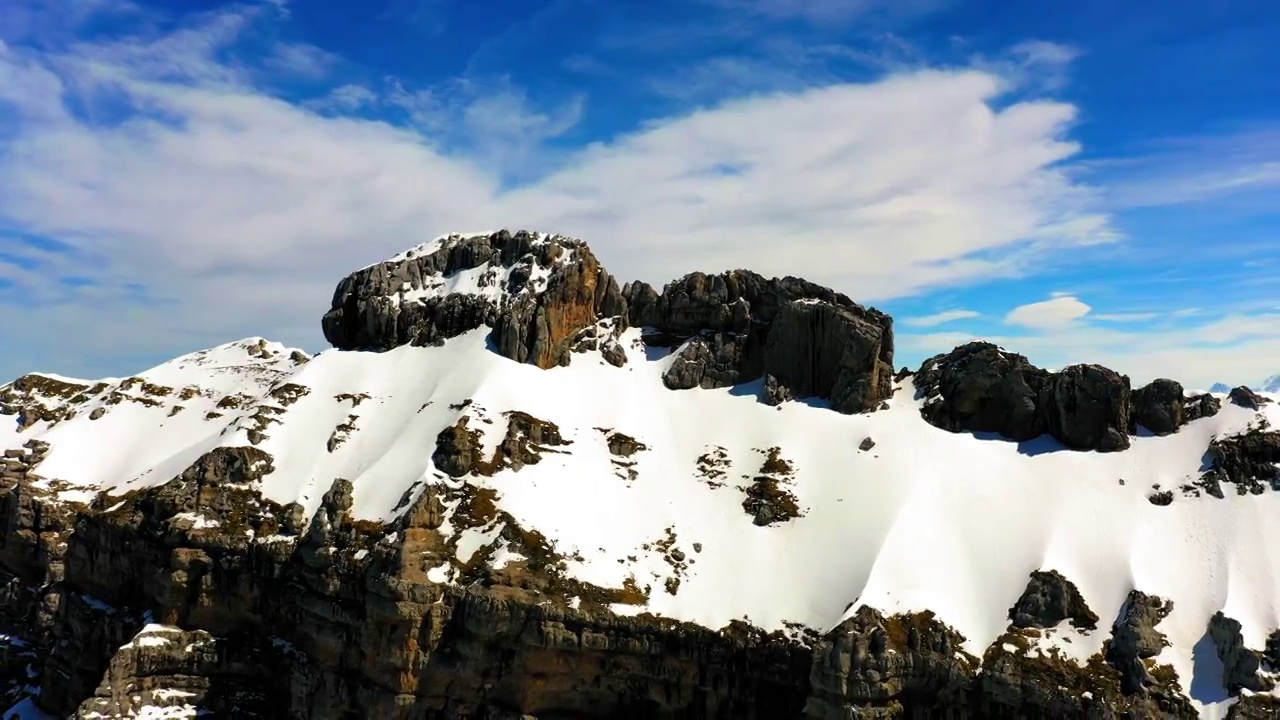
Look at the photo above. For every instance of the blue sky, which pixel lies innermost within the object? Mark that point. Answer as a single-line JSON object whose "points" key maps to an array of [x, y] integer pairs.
{"points": [[1083, 182]]}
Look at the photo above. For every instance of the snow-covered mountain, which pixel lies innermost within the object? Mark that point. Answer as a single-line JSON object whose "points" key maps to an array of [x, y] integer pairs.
{"points": [[518, 487], [1270, 385]]}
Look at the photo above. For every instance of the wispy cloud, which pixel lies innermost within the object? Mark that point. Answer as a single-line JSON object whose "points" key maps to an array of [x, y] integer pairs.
{"points": [[1178, 171], [940, 318], [1051, 314]]}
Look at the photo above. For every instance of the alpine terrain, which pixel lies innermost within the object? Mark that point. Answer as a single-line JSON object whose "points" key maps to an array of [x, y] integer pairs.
{"points": [[516, 488]]}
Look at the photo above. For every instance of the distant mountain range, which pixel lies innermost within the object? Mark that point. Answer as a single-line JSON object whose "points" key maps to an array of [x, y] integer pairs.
{"points": [[1270, 385]]}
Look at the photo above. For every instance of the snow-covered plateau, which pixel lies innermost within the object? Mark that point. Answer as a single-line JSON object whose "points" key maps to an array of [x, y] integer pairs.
{"points": [[556, 453]]}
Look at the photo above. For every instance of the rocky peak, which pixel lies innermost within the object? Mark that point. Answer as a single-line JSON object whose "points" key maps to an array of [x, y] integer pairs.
{"points": [[801, 339], [537, 291], [546, 296], [979, 387]]}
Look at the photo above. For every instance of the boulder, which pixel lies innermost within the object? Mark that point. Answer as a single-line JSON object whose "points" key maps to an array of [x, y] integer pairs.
{"points": [[1241, 667], [535, 291], [1250, 461], [1088, 407], [1134, 638], [802, 339], [1049, 600], [1246, 398], [979, 387], [1159, 407]]}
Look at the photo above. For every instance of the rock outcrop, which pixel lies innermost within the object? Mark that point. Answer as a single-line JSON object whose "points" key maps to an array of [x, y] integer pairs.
{"points": [[1134, 639], [913, 665], [1162, 407], [546, 297], [537, 292], [1250, 461], [801, 339], [1247, 398], [1241, 667], [1051, 599], [980, 388]]}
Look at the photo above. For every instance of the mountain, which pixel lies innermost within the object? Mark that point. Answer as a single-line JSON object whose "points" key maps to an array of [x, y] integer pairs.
{"points": [[1271, 384], [1221, 388], [516, 488]]}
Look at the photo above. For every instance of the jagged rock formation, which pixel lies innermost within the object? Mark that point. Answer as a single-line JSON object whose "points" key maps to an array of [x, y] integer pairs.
{"points": [[1249, 461], [1246, 398], [1241, 667], [538, 293], [878, 666], [979, 387], [547, 296], [1049, 600], [894, 665], [1162, 407], [804, 340], [1134, 638]]}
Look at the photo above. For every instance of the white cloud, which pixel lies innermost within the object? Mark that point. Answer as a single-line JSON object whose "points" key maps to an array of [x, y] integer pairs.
{"points": [[1032, 64], [238, 212], [940, 318], [1178, 171], [1056, 313], [1126, 316]]}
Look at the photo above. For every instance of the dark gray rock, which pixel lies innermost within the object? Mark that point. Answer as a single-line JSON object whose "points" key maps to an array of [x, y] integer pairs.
{"points": [[1201, 406], [803, 339], [1088, 407], [1050, 599], [980, 388], [895, 664], [1244, 397], [392, 303], [1134, 638], [1249, 461], [1160, 407], [457, 449], [689, 366], [866, 444], [819, 349], [1240, 665]]}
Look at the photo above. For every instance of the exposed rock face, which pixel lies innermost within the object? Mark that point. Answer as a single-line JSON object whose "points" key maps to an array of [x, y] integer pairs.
{"points": [[1050, 599], [458, 448], [1240, 665], [543, 291], [1162, 407], [1134, 638], [980, 388], [1088, 407], [884, 667], [549, 297], [1244, 397], [1248, 461], [803, 339]]}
